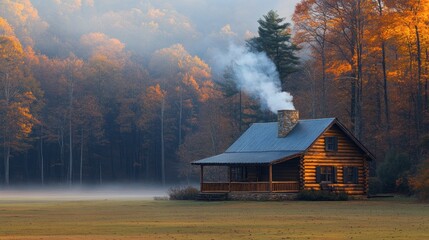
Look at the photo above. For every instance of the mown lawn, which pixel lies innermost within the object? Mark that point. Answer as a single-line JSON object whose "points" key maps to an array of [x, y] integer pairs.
{"points": [[134, 219]]}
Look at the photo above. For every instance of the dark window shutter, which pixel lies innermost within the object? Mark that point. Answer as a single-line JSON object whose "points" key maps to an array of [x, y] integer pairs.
{"points": [[345, 175], [335, 142], [355, 175], [327, 142], [334, 174], [317, 174]]}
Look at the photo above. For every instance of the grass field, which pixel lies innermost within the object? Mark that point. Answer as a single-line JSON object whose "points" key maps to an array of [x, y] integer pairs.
{"points": [[146, 219]]}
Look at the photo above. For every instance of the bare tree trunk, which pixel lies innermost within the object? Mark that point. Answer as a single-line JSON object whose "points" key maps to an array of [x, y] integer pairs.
{"points": [[100, 172], [240, 108], [6, 149], [323, 81], [385, 88], [419, 82], [426, 104], [42, 161], [360, 24], [213, 137], [71, 132], [6, 140], [162, 143], [61, 143], [81, 157], [180, 115], [71, 153]]}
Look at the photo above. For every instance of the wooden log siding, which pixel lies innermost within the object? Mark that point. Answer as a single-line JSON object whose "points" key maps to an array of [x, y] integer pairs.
{"points": [[348, 154]]}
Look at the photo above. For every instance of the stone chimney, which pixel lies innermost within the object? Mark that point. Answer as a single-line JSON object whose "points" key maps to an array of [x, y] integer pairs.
{"points": [[287, 120]]}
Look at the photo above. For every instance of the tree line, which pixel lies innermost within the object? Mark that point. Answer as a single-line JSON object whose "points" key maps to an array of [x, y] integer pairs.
{"points": [[111, 115], [373, 56], [107, 117]]}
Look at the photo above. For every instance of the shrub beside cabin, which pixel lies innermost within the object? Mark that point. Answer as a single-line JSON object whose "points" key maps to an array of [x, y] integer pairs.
{"points": [[292, 155]]}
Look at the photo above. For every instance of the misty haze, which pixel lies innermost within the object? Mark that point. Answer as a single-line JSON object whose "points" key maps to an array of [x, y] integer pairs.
{"points": [[124, 91], [113, 110]]}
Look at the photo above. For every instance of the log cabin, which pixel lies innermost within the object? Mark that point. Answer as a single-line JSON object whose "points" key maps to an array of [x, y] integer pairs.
{"points": [[292, 155]]}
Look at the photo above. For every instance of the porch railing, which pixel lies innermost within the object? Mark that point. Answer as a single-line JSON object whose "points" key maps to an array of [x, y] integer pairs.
{"points": [[289, 186]]}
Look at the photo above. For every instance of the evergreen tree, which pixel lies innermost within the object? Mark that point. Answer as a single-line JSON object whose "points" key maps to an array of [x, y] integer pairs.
{"points": [[274, 40]]}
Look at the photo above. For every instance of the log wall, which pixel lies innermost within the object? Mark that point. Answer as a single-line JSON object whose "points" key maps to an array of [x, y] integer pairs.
{"points": [[348, 154]]}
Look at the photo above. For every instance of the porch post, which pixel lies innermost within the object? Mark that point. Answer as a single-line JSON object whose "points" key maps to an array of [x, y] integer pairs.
{"points": [[201, 177], [270, 172], [229, 178]]}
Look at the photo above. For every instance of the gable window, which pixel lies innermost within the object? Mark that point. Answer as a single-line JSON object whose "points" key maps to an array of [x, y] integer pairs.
{"points": [[350, 175], [326, 174], [331, 144]]}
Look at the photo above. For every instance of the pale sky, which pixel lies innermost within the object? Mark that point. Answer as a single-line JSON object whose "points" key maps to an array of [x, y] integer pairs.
{"points": [[145, 26]]}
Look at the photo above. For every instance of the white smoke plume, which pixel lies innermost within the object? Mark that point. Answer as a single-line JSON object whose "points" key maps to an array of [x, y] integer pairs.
{"points": [[256, 74]]}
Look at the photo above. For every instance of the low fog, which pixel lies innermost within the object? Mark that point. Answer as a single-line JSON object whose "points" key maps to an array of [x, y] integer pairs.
{"points": [[77, 193]]}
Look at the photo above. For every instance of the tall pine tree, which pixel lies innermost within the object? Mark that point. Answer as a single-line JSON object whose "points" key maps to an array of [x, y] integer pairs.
{"points": [[274, 40]]}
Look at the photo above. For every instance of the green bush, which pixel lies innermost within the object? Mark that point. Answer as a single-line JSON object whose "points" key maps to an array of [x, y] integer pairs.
{"points": [[420, 182], [183, 193], [392, 172], [313, 195], [375, 186]]}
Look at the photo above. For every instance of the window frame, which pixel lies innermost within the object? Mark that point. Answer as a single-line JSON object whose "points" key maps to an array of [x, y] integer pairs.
{"points": [[327, 174], [331, 144], [350, 175]]}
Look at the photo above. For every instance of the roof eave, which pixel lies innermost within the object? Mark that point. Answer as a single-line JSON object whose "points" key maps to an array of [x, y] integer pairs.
{"points": [[299, 154]]}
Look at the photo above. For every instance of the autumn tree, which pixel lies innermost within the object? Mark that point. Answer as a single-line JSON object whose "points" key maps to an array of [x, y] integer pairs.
{"points": [[89, 123], [105, 82], [187, 83], [5, 28], [212, 136], [16, 99], [24, 17], [410, 28], [311, 25], [132, 140], [153, 118]]}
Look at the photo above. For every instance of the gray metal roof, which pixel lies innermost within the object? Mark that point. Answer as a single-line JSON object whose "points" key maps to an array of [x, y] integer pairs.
{"points": [[262, 137], [260, 144], [246, 158]]}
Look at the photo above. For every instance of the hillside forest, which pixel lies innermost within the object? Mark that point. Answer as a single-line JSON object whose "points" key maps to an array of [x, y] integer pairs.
{"points": [[119, 103]]}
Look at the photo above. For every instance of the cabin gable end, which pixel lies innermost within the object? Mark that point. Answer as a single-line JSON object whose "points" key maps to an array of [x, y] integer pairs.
{"points": [[336, 159]]}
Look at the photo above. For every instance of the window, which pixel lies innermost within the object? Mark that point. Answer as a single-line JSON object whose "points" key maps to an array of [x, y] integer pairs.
{"points": [[350, 175], [331, 143], [238, 174], [326, 174]]}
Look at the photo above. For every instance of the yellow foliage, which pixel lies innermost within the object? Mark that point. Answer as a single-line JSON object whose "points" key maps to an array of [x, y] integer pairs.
{"points": [[5, 28], [338, 68]]}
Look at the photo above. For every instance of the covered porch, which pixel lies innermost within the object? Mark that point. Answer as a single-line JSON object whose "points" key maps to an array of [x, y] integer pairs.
{"points": [[281, 176]]}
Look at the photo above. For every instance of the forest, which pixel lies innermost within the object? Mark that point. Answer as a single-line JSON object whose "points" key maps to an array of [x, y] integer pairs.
{"points": [[136, 94]]}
